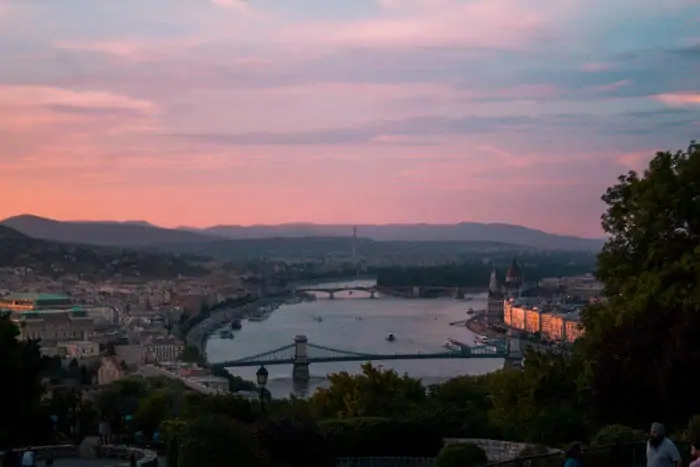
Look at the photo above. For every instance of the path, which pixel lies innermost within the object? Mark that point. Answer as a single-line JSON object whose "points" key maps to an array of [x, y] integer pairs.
{"points": [[86, 462]]}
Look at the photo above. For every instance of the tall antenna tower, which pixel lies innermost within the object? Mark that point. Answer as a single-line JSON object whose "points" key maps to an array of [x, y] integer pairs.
{"points": [[354, 244]]}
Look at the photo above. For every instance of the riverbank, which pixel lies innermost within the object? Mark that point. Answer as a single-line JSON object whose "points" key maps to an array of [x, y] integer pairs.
{"points": [[200, 334], [478, 326]]}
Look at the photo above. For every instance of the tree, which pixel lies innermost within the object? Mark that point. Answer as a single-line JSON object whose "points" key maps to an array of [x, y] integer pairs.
{"points": [[191, 354], [20, 366], [234, 407], [374, 392], [646, 335], [459, 407], [153, 409], [542, 402], [218, 440]]}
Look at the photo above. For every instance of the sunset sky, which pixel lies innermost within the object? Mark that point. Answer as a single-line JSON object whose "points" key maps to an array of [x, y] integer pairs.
{"points": [[201, 112]]}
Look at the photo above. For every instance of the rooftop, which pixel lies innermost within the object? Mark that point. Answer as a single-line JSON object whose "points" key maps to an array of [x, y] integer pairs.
{"points": [[35, 297], [77, 310]]}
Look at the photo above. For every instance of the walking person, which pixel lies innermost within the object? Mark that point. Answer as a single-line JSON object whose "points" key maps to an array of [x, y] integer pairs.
{"points": [[695, 453], [661, 451], [572, 456], [28, 458]]}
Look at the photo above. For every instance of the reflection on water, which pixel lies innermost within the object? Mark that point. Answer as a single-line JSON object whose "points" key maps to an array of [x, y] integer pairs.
{"points": [[357, 323]]}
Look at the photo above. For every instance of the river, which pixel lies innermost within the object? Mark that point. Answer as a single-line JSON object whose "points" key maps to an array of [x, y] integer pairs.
{"points": [[357, 323]]}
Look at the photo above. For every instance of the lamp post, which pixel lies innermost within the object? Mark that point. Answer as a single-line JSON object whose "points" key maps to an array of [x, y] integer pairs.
{"points": [[262, 375]]}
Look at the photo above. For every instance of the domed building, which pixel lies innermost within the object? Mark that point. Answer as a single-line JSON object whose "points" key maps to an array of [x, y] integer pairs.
{"points": [[514, 279]]}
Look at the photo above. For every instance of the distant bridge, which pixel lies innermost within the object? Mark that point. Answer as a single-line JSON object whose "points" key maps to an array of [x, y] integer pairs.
{"points": [[331, 291], [301, 354], [373, 290]]}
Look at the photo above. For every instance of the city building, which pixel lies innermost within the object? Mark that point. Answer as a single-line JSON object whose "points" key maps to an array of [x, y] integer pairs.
{"points": [[48, 317], [79, 349], [496, 298], [552, 322], [498, 294], [54, 325], [164, 349], [110, 371], [514, 279], [34, 302]]}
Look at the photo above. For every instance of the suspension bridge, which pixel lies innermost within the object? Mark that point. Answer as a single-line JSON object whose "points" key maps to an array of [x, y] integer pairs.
{"points": [[301, 354]]}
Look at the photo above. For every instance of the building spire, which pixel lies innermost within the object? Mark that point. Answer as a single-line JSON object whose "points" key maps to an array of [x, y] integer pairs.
{"points": [[493, 283]]}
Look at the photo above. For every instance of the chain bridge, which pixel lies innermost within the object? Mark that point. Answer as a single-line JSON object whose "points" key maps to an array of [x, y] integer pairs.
{"points": [[301, 354]]}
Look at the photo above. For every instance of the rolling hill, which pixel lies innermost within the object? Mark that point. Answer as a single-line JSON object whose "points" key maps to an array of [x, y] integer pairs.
{"points": [[128, 234], [141, 234], [462, 232], [91, 262]]}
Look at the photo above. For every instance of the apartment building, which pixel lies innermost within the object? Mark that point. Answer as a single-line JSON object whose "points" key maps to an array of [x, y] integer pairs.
{"points": [[164, 349], [554, 323]]}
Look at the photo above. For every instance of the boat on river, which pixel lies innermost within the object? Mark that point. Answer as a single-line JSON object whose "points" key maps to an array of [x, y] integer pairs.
{"points": [[318, 319], [455, 345], [226, 334], [390, 337], [236, 324]]}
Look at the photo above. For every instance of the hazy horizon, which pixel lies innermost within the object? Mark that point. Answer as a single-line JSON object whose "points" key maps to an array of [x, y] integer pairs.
{"points": [[266, 112], [284, 224]]}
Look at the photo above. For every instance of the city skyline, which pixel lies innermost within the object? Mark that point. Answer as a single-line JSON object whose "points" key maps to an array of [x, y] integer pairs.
{"points": [[366, 112]]}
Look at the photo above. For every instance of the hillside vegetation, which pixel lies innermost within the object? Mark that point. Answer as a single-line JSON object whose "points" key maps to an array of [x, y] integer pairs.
{"points": [[91, 262]]}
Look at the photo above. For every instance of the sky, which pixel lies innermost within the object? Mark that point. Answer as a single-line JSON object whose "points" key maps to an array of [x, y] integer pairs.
{"points": [[205, 112]]}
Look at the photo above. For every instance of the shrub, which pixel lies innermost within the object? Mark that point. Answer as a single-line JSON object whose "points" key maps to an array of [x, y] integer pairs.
{"points": [[214, 440], [379, 437], [294, 444], [617, 434], [614, 445], [461, 455], [171, 434]]}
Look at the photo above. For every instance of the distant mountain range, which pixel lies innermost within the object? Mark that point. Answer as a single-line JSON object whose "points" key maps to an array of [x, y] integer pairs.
{"points": [[140, 233], [128, 234]]}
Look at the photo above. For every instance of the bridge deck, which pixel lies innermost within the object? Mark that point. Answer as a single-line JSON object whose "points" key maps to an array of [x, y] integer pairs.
{"points": [[356, 358]]}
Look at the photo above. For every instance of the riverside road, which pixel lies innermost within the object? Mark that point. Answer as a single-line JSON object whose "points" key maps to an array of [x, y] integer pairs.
{"points": [[199, 334]]}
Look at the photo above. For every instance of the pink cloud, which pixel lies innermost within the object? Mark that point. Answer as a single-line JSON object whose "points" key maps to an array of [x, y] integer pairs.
{"points": [[237, 5], [681, 99], [21, 96], [499, 23], [637, 160]]}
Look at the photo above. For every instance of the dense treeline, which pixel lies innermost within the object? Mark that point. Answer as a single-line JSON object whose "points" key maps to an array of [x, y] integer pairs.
{"points": [[94, 262], [477, 273]]}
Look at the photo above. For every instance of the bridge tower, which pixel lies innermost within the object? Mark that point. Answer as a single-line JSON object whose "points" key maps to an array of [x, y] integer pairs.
{"points": [[514, 357], [300, 370], [416, 291]]}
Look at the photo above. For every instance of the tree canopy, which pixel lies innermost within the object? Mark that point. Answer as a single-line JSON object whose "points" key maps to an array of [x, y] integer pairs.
{"points": [[20, 366], [642, 345]]}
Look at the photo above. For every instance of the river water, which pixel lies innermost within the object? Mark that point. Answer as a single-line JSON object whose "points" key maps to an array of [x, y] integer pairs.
{"points": [[357, 323]]}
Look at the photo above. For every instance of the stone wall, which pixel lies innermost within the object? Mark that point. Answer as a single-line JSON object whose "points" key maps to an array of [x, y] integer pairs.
{"points": [[496, 450], [145, 458]]}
